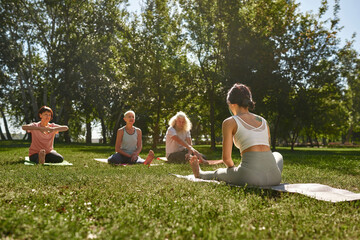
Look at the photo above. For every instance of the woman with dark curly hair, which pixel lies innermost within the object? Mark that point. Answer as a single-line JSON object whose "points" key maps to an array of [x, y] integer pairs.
{"points": [[250, 133]]}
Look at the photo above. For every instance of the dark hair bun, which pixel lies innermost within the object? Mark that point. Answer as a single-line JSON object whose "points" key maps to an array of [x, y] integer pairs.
{"points": [[240, 94]]}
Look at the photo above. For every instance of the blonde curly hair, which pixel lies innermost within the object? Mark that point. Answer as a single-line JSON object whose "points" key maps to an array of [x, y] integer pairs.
{"points": [[181, 114]]}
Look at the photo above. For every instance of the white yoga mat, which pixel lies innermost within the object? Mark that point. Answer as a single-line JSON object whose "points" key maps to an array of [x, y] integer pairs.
{"points": [[210, 162], [64, 163], [313, 190], [104, 160]]}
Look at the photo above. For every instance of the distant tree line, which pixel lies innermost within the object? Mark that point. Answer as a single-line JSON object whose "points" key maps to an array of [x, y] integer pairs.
{"points": [[93, 60]]}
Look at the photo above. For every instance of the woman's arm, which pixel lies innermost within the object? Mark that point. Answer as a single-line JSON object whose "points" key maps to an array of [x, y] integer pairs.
{"points": [[194, 151], [186, 144], [30, 127], [189, 142], [55, 128], [228, 130], [119, 137], [139, 143], [59, 128]]}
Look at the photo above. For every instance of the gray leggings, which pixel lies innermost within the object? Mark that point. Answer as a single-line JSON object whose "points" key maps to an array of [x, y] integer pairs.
{"points": [[255, 169]]}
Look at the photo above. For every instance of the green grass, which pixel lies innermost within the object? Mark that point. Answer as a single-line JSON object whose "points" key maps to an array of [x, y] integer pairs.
{"points": [[96, 200]]}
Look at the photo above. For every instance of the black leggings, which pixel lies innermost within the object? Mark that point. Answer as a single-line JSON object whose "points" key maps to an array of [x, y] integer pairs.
{"points": [[51, 157]]}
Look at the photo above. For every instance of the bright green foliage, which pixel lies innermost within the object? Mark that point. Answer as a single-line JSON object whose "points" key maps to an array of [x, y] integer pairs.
{"points": [[350, 72], [93, 60]]}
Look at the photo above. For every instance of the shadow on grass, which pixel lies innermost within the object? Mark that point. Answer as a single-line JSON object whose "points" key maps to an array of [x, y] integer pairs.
{"points": [[264, 193], [12, 162]]}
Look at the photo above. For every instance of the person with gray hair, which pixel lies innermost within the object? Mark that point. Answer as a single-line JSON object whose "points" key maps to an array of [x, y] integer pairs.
{"points": [[178, 140], [129, 144]]}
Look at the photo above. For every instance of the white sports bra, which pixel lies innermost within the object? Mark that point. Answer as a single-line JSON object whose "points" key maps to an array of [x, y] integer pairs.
{"points": [[247, 136]]}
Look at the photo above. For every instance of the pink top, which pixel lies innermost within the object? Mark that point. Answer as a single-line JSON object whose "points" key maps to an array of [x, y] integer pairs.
{"points": [[40, 140]]}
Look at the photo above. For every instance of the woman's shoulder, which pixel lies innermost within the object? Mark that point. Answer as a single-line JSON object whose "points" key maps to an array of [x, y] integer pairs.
{"points": [[171, 128], [229, 121]]}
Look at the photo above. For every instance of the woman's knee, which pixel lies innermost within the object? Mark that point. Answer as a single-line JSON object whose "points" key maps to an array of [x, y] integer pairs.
{"points": [[279, 160], [54, 158], [34, 158], [115, 158]]}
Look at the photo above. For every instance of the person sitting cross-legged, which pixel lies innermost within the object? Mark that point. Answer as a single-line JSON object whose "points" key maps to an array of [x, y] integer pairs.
{"points": [[129, 144], [178, 140], [42, 138]]}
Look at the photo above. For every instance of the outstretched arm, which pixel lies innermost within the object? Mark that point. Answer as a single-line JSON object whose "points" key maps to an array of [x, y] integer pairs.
{"points": [[55, 128], [195, 152], [186, 144]]}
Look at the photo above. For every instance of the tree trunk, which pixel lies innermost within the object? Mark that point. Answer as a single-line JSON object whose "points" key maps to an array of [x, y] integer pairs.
{"points": [[67, 109], [317, 142], [27, 136], [8, 135], [103, 130], [88, 131], [2, 134], [156, 132], [24, 101], [212, 108], [116, 127], [30, 86], [349, 134], [311, 141], [273, 135], [67, 94], [212, 120], [53, 107], [293, 140]]}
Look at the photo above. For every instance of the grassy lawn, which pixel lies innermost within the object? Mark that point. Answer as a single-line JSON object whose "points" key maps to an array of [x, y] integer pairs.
{"points": [[95, 200]]}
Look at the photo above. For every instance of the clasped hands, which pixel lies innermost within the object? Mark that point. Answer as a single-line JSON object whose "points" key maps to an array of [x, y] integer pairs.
{"points": [[133, 157], [47, 130]]}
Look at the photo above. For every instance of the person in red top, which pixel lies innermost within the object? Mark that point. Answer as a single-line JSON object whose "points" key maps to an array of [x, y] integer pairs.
{"points": [[42, 138]]}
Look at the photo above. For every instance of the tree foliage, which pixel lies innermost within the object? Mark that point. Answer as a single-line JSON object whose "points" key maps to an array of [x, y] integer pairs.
{"points": [[91, 61]]}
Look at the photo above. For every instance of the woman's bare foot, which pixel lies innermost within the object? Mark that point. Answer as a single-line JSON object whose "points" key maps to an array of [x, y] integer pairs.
{"points": [[195, 166], [203, 161], [42, 155], [149, 158]]}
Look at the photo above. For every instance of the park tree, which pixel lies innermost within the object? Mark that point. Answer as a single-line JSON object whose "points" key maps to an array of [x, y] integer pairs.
{"points": [[205, 31], [58, 49], [253, 31], [21, 65], [307, 64], [350, 74], [158, 82]]}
